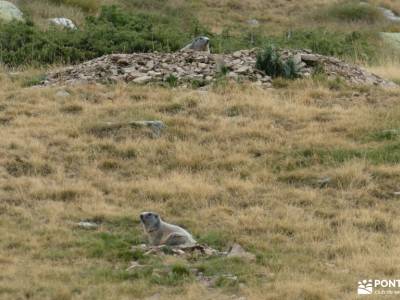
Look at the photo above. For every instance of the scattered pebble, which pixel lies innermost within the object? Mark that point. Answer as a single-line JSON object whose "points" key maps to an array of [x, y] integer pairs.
{"points": [[88, 225], [62, 94], [237, 251]]}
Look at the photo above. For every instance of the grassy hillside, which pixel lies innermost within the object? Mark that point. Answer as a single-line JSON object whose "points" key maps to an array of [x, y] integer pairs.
{"points": [[236, 164], [305, 175]]}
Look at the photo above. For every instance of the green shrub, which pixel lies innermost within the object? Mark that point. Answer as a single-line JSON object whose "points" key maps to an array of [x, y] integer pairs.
{"points": [[270, 61]]}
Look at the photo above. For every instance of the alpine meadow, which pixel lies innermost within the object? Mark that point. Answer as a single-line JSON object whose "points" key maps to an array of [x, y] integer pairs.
{"points": [[276, 148]]}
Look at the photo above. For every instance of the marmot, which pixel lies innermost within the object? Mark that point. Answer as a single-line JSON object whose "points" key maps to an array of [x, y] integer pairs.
{"points": [[201, 43], [162, 233]]}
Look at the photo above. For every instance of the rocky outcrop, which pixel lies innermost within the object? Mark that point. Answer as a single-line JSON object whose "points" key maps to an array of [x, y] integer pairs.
{"points": [[333, 67], [9, 12], [188, 66]]}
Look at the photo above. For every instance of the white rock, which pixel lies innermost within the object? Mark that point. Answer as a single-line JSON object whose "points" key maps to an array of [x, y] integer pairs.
{"points": [[389, 14], [63, 22], [237, 54], [142, 79], [88, 225], [9, 12], [238, 251], [62, 94], [243, 70]]}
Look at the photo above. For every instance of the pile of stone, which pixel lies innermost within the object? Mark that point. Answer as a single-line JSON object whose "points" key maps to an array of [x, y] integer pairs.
{"points": [[308, 63], [184, 67], [180, 68]]}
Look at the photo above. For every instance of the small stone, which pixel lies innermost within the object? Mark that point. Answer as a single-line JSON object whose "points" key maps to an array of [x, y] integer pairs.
{"points": [[123, 62], [243, 70], [232, 75], [63, 22], [310, 58], [324, 181], [62, 94], [134, 265], [150, 64], [253, 22], [237, 251], [87, 225], [142, 79], [237, 54], [154, 297]]}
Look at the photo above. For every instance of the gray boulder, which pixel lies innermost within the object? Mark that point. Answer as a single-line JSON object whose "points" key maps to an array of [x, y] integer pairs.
{"points": [[9, 12]]}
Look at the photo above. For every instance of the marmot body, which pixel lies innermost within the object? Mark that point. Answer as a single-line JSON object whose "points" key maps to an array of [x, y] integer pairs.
{"points": [[162, 233]]}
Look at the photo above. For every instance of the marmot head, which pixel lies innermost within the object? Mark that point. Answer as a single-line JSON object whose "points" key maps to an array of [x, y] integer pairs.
{"points": [[151, 221], [200, 43]]}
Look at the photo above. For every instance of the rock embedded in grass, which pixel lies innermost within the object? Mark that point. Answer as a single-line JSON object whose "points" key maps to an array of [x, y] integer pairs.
{"points": [[9, 12]]}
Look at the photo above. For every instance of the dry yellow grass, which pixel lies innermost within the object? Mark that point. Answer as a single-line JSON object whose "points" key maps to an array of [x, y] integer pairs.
{"points": [[387, 70], [236, 164]]}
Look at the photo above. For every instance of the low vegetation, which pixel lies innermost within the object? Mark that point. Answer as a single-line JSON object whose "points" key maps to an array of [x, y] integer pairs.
{"points": [[352, 11], [114, 30], [271, 63]]}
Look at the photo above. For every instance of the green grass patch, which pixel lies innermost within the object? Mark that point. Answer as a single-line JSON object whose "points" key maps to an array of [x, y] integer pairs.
{"points": [[174, 275], [352, 11], [109, 246], [384, 135], [382, 154], [215, 239], [114, 244]]}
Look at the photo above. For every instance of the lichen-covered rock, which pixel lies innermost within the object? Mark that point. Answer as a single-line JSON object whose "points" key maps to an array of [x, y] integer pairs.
{"points": [[9, 12]]}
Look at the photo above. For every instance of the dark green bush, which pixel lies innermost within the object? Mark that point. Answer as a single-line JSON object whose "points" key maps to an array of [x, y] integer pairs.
{"points": [[270, 61]]}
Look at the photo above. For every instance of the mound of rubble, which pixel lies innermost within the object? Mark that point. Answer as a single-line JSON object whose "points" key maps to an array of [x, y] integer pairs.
{"points": [[181, 68]]}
